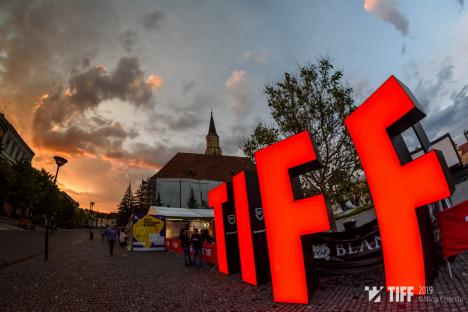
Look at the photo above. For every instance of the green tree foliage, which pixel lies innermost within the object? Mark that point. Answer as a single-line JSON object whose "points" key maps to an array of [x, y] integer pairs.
{"points": [[138, 200], [191, 201], [7, 176], [126, 207], [317, 99], [33, 191], [27, 192], [80, 217]]}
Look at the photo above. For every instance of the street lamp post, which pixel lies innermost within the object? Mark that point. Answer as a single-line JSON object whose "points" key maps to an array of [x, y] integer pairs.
{"points": [[60, 161], [90, 221]]}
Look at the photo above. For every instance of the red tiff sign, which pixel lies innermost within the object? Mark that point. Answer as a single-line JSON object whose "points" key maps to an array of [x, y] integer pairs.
{"points": [[400, 190]]}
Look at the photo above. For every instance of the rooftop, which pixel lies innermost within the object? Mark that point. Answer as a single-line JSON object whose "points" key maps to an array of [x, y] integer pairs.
{"points": [[14, 132], [203, 167]]}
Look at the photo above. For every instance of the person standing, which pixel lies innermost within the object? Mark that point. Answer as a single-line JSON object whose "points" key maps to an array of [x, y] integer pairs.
{"points": [[111, 237], [123, 242], [185, 243], [206, 237], [196, 241]]}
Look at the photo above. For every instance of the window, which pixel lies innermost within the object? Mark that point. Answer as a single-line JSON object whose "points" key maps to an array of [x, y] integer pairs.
{"points": [[12, 149], [7, 144]]}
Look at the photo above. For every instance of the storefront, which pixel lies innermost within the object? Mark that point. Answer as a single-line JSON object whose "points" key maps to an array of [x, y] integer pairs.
{"points": [[178, 218]]}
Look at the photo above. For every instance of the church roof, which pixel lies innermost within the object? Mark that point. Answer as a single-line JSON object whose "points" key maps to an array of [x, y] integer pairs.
{"points": [[203, 167], [212, 128]]}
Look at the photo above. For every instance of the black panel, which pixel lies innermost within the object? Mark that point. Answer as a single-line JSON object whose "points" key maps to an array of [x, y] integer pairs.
{"points": [[230, 233], [257, 225]]}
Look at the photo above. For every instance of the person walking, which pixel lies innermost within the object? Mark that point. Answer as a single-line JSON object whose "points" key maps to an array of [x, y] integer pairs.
{"points": [[123, 243], [196, 241], [111, 237], [185, 243]]}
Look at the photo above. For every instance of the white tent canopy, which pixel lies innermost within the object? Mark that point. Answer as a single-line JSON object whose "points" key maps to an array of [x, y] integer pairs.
{"points": [[181, 212]]}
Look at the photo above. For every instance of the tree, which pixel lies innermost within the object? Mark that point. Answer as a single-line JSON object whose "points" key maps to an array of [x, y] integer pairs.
{"points": [[191, 201], [47, 195], [138, 200], [29, 189], [7, 177], [25, 191], [125, 208], [317, 99]]}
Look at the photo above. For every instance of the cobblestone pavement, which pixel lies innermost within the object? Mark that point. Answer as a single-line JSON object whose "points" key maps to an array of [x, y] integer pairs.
{"points": [[81, 276], [17, 245]]}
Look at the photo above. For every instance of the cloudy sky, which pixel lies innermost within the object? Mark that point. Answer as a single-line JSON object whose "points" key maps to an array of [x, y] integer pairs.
{"points": [[118, 87]]}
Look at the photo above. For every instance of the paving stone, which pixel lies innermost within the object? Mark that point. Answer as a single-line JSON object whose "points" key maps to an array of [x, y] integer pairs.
{"points": [[81, 276]]}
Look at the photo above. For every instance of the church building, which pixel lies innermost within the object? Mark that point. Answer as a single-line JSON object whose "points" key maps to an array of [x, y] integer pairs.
{"points": [[184, 181]]}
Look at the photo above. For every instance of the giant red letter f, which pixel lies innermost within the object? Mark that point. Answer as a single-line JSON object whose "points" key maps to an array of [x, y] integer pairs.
{"points": [[398, 185], [286, 217]]}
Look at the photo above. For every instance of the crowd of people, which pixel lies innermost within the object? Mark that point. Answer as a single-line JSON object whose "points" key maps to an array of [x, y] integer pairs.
{"points": [[111, 234], [188, 239], [195, 240]]}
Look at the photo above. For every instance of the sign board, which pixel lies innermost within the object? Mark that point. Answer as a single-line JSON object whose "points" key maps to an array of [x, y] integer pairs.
{"points": [[353, 251], [149, 233], [446, 145]]}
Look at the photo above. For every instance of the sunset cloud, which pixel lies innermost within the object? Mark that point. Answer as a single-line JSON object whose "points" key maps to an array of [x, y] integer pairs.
{"points": [[154, 82], [104, 64], [238, 92], [125, 82], [389, 12], [54, 92]]}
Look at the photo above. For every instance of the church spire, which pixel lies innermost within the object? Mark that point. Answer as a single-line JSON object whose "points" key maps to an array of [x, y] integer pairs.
{"points": [[212, 139], [212, 128]]}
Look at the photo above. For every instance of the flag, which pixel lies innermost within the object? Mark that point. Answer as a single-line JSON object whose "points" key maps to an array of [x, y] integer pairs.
{"points": [[453, 224]]}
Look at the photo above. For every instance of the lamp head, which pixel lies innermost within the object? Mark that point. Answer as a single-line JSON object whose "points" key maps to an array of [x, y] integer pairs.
{"points": [[60, 161]]}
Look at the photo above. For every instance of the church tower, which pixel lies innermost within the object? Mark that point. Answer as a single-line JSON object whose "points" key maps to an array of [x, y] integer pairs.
{"points": [[212, 139]]}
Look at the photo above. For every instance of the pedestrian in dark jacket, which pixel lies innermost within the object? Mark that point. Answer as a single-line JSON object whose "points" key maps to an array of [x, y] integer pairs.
{"points": [[196, 241], [185, 243], [206, 237], [111, 237]]}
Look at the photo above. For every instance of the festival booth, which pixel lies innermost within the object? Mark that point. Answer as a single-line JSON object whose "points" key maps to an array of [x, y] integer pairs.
{"points": [[178, 218]]}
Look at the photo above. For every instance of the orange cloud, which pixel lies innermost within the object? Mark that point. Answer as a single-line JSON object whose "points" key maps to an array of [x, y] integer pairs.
{"points": [[155, 82]]}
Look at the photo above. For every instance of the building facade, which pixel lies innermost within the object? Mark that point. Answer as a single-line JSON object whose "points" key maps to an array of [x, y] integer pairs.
{"points": [[12, 145]]}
